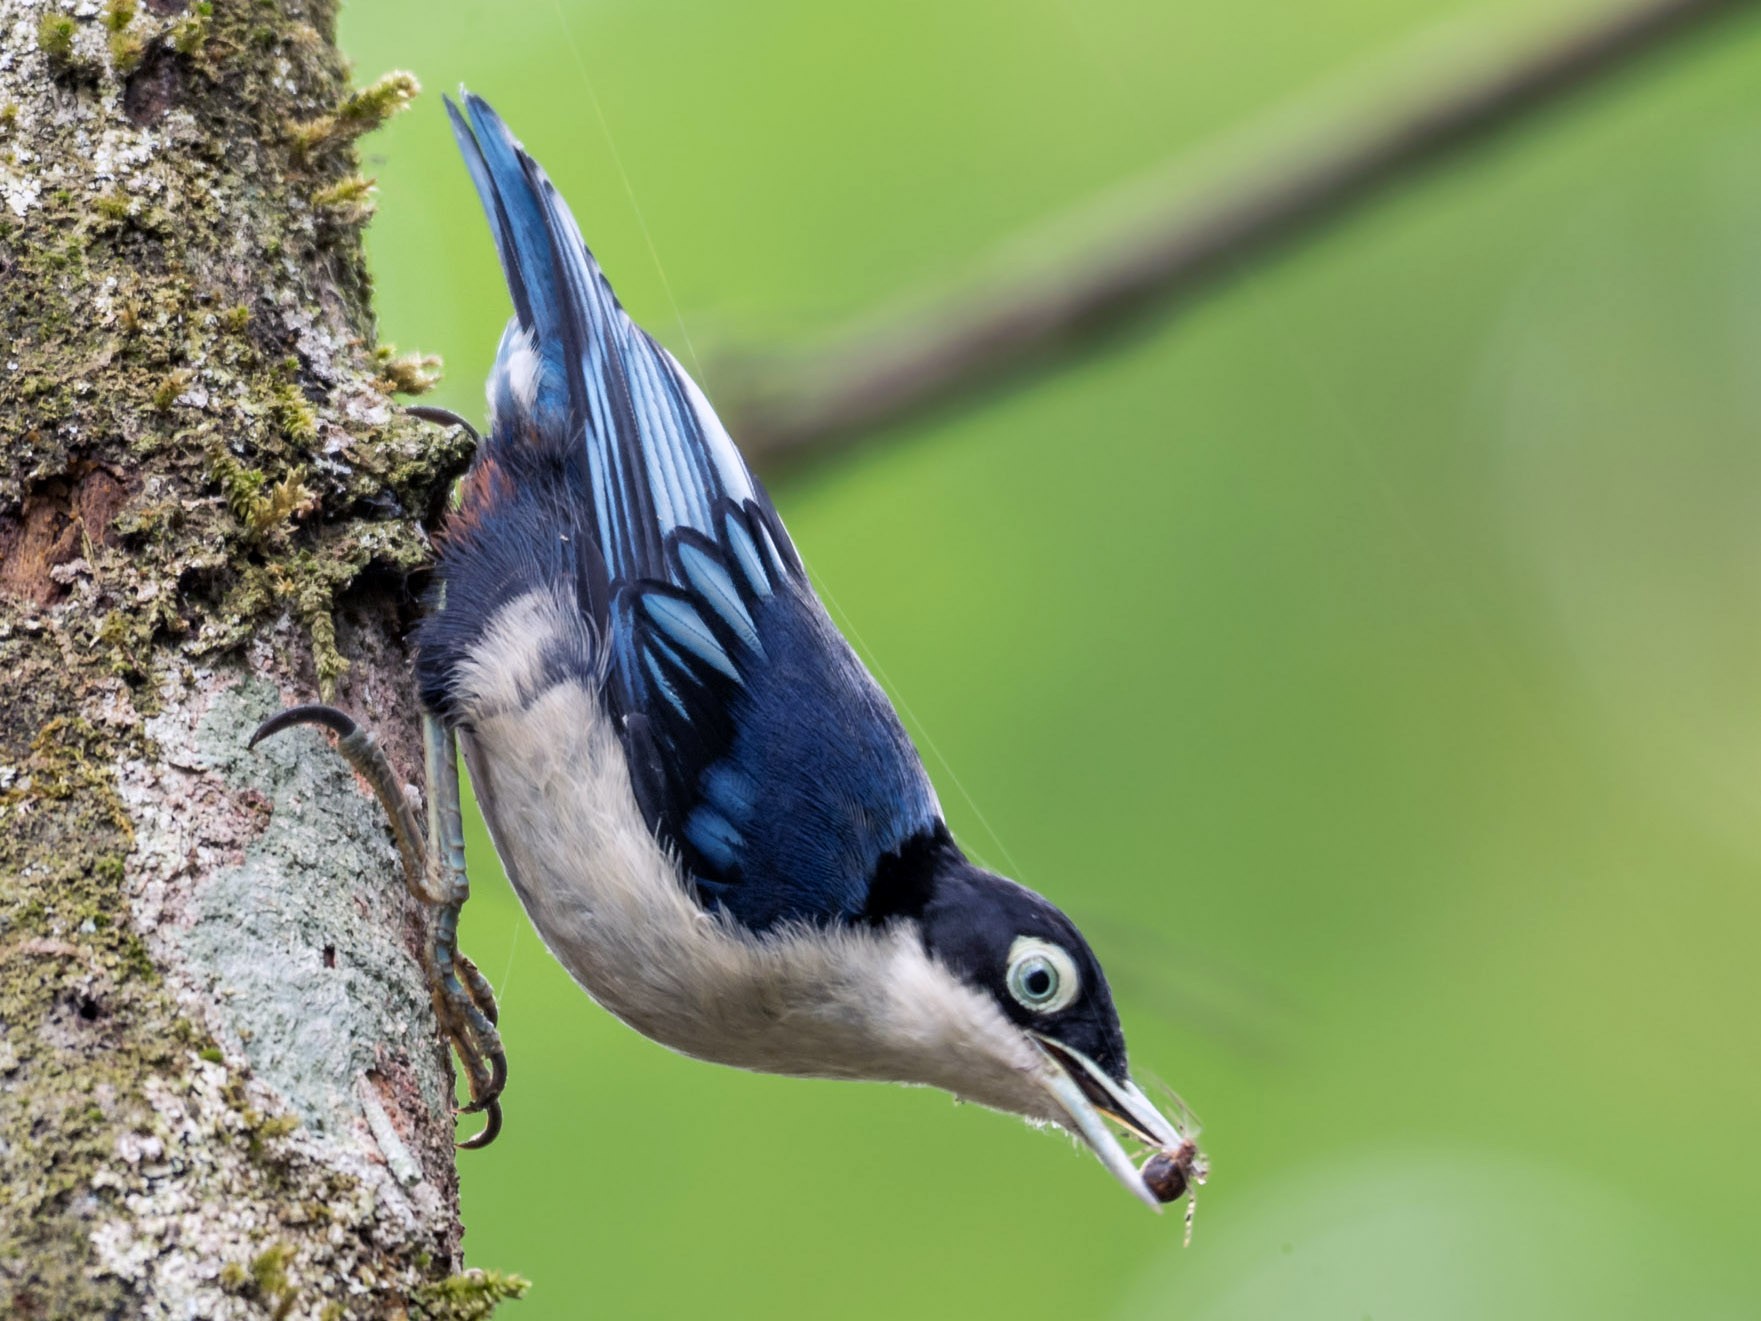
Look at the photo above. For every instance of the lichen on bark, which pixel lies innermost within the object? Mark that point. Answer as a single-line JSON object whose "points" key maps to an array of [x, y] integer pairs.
{"points": [[221, 1089]]}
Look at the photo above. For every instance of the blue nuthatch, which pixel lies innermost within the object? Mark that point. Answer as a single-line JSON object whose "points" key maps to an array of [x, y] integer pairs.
{"points": [[708, 808]]}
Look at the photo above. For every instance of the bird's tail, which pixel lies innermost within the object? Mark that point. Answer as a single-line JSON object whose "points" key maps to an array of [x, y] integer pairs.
{"points": [[579, 381]]}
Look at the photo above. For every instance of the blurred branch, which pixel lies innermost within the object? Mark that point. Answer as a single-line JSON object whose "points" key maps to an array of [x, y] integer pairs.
{"points": [[1163, 239]]}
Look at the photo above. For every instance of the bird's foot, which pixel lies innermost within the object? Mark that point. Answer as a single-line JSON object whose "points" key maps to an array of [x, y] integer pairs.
{"points": [[434, 870], [465, 1005]]}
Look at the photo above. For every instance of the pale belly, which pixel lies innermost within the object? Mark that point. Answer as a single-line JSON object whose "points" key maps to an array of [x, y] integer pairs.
{"points": [[608, 901]]}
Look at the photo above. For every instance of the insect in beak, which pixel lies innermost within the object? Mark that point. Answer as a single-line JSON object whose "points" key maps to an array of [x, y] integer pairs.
{"points": [[1084, 1092]]}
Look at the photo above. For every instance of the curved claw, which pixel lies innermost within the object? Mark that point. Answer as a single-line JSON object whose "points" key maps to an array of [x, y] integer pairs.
{"points": [[479, 1044], [359, 749], [443, 417], [487, 1134], [314, 713]]}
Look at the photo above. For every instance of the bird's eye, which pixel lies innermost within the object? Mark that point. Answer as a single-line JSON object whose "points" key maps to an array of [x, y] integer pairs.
{"points": [[1042, 976]]}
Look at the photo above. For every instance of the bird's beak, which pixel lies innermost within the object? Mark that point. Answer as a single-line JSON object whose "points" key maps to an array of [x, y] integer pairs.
{"points": [[1085, 1093]]}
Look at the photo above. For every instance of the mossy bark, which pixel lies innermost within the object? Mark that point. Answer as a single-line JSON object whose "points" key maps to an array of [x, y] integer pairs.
{"points": [[222, 1092]]}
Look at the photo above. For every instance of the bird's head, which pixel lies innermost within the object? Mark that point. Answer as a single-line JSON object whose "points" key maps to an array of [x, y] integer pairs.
{"points": [[1037, 1031]]}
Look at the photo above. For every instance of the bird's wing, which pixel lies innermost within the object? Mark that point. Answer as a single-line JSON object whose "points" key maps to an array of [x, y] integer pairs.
{"points": [[759, 747]]}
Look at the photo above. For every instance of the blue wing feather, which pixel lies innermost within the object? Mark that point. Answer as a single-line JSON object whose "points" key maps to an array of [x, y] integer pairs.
{"points": [[767, 756], [759, 748]]}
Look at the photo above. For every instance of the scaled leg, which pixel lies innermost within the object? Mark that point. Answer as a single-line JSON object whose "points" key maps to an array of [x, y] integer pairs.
{"points": [[434, 870], [461, 994]]}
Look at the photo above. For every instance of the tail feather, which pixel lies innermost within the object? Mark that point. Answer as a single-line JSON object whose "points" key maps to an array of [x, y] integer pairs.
{"points": [[577, 377]]}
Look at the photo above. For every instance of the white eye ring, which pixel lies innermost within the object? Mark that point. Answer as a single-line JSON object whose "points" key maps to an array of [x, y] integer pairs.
{"points": [[1042, 976]]}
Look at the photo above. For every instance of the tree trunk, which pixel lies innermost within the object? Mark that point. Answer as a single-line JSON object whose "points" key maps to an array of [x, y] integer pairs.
{"points": [[222, 1088]]}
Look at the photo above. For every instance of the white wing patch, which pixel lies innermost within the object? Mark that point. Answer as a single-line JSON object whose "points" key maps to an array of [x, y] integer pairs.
{"points": [[522, 367]]}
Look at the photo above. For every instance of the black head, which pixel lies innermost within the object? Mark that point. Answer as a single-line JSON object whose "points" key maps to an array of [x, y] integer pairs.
{"points": [[1008, 942], [1019, 953], [1027, 956]]}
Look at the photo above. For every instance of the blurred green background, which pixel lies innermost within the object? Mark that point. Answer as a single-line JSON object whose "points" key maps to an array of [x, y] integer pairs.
{"points": [[1370, 661]]}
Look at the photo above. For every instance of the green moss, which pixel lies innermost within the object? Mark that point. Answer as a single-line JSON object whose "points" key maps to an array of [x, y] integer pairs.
{"points": [[269, 1283], [358, 113], [327, 659], [292, 414], [287, 499], [242, 486], [344, 192], [408, 373], [269, 1270], [469, 1296], [189, 34], [90, 1020], [349, 200], [368, 107], [127, 50], [61, 767], [55, 34], [265, 1130], [166, 392]]}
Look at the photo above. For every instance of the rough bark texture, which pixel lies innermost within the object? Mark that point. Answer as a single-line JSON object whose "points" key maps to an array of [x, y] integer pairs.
{"points": [[222, 1092]]}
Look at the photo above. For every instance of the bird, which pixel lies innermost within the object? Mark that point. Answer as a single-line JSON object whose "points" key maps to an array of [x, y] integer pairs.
{"points": [[708, 808]]}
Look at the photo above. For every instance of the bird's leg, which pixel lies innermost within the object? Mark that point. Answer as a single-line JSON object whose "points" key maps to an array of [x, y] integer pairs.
{"points": [[434, 870], [462, 995], [362, 751]]}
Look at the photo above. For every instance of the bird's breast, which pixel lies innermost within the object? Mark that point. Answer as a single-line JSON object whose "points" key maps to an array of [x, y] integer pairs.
{"points": [[611, 903]]}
